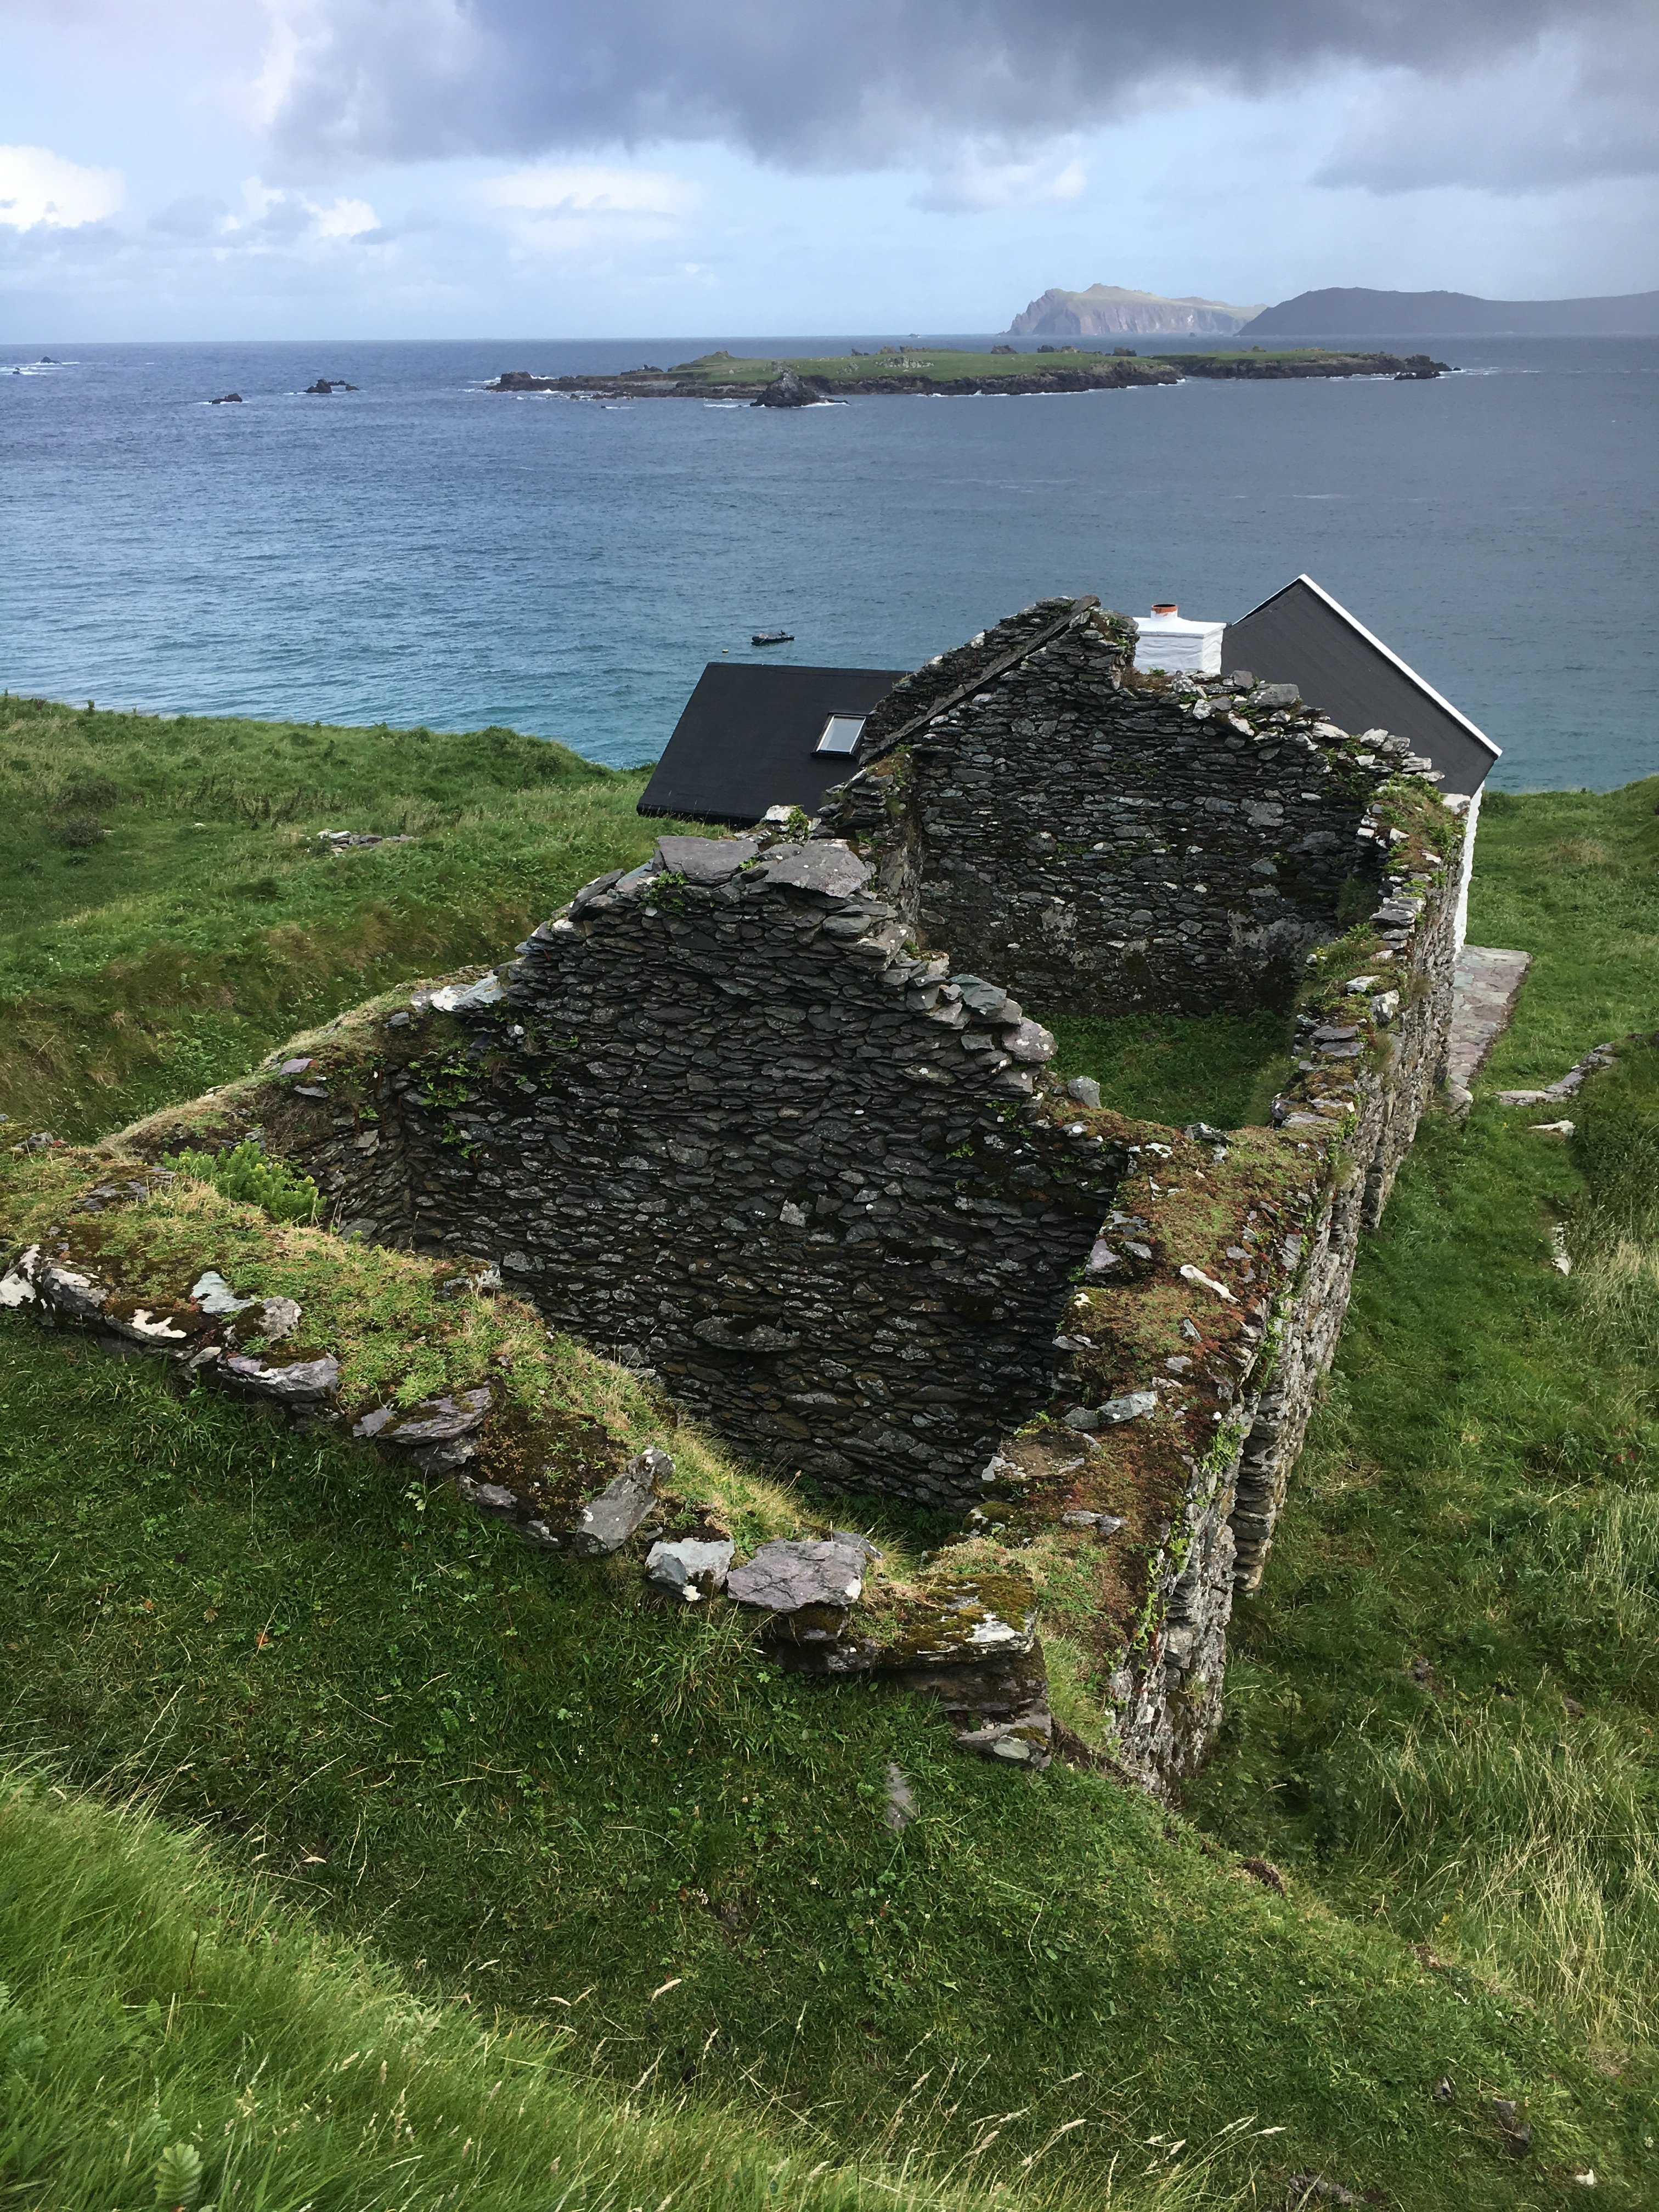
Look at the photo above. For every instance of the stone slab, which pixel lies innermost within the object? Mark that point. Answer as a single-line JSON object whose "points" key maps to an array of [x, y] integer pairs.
{"points": [[706, 859], [790, 1573], [828, 868], [1486, 986]]}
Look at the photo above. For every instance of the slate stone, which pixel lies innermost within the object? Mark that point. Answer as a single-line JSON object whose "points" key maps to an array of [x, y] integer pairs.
{"points": [[489, 1497], [1135, 1405], [792, 1572], [213, 1294], [462, 998], [734, 1336], [280, 1317], [1028, 1041], [823, 867], [586, 897], [706, 859], [1085, 1090], [606, 1522], [305, 1379], [438, 1420], [986, 999], [682, 1568], [72, 1292]]}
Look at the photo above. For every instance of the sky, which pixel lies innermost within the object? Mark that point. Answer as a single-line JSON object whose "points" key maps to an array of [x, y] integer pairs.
{"points": [[461, 168]]}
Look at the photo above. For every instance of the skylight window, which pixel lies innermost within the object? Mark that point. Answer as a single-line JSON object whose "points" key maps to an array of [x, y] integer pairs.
{"points": [[841, 733]]}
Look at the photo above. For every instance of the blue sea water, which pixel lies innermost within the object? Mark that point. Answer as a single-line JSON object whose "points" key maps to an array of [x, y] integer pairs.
{"points": [[420, 550]]}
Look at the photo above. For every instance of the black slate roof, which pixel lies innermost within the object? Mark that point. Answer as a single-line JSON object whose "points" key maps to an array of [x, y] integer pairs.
{"points": [[1301, 635], [746, 740]]}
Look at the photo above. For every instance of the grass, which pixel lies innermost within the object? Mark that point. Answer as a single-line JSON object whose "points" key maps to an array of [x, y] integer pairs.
{"points": [[529, 1790], [1442, 1704], [1222, 1068], [944, 363], [171, 2035], [168, 912]]}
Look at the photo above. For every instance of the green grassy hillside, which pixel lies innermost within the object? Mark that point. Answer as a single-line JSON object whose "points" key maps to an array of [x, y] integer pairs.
{"points": [[168, 912], [549, 1809], [172, 2036]]}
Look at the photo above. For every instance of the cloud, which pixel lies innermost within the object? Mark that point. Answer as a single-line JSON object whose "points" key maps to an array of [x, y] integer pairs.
{"points": [[192, 220], [973, 181], [41, 188], [276, 217], [1572, 108], [895, 83], [550, 208]]}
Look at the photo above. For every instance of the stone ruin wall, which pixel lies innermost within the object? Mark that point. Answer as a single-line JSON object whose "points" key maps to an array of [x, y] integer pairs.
{"points": [[1166, 1693], [732, 1130], [1101, 840]]}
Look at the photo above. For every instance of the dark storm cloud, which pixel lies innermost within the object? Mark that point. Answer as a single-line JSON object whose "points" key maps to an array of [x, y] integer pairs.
{"points": [[843, 84]]}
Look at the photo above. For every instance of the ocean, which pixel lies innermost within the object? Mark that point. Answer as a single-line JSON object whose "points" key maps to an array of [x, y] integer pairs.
{"points": [[421, 551]]}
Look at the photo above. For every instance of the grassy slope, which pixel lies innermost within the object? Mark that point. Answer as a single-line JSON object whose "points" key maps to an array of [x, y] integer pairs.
{"points": [[167, 914], [528, 1787], [523, 1785], [1479, 1500], [169, 2034]]}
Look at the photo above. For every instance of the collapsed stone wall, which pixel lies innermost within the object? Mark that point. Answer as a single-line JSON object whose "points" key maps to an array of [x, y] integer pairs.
{"points": [[1103, 839], [725, 1124], [1214, 1300]]}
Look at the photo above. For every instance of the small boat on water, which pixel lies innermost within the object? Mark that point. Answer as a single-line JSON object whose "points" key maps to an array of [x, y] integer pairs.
{"points": [[773, 637]]}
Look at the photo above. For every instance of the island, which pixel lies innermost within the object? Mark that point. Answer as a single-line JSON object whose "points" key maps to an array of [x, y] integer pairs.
{"points": [[953, 372]]}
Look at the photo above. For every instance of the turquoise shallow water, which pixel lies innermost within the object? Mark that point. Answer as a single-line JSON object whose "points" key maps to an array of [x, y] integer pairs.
{"points": [[421, 551]]}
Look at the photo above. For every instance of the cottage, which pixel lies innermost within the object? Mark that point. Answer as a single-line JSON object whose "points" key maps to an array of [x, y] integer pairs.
{"points": [[754, 737]]}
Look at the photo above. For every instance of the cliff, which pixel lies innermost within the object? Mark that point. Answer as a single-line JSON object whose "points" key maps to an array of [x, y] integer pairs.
{"points": [[1110, 311]]}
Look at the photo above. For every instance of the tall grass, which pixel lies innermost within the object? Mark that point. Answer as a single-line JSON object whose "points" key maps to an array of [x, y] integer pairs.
{"points": [[1444, 1705], [168, 912], [170, 2037], [1531, 1857]]}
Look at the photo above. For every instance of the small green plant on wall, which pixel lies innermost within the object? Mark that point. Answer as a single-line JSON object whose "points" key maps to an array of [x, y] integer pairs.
{"points": [[245, 1173]]}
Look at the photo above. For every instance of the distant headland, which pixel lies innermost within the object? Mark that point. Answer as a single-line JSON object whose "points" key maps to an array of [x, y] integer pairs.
{"points": [[728, 379], [1109, 311], [1355, 311]]}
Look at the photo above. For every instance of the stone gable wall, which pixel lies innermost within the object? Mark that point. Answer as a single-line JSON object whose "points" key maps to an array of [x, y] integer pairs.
{"points": [[733, 1131], [1105, 840]]}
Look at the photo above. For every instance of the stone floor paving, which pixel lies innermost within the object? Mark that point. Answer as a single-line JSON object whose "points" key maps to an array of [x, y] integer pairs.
{"points": [[1484, 989]]}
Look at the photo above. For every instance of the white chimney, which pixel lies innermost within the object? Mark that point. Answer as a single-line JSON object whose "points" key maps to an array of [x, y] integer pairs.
{"points": [[1192, 649]]}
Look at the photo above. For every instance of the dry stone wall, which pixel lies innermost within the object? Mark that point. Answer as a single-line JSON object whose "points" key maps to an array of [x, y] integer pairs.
{"points": [[724, 1124], [1214, 1301], [1102, 839]]}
